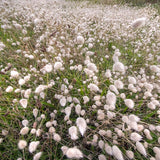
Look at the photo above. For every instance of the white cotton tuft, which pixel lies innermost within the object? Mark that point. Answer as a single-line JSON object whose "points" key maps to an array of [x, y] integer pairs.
{"points": [[130, 154], [93, 87], [24, 131], [27, 93], [108, 149], [85, 99], [113, 89], [33, 146], [92, 67], [74, 153], [133, 118], [81, 124], [25, 122], [14, 74], [27, 78], [68, 111], [129, 103], [111, 98], [156, 150], [40, 88], [64, 149], [57, 65], [101, 157], [56, 137], [35, 112], [101, 144], [80, 40], [23, 103], [37, 156], [37, 21], [148, 134], [22, 144], [73, 132], [48, 68], [155, 69], [63, 101], [117, 153], [110, 114], [78, 109], [108, 73], [9, 89], [21, 82], [138, 22], [132, 80], [119, 67], [135, 137], [118, 84], [141, 148]]}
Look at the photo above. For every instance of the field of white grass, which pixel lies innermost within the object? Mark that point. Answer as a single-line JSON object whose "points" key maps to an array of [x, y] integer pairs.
{"points": [[79, 81]]}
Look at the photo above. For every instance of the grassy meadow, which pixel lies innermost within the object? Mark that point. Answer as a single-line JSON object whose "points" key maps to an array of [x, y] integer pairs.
{"points": [[79, 80]]}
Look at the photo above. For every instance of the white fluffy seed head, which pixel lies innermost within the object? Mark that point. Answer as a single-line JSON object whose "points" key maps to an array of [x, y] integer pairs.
{"points": [[23, 103], [138, 23], [141, 148], [78, 109], [33, 146], [68, 111], [129, 103], [56, 137], [22, 144], [14, 74], [101, 144], [111, 98], [21, 82], [156, 150], [114, 89], [24, 131], [64, 149], [148, 135], [9, 89], [80, 40], [48, 68], [130, 154], [63, 101], [118, 84], [93, 87], [35, 112], [25, 122], [108, 73], [92, 67], [33, 131], [152, 158], [132, 80], [73, 132], [135, 137], [133, 118], [74, 153], [101, 157], [82, 125], [37, 156], [58, 65], [85, 99], [108, 149], [119, 67], [117, 153], [27, 93]]}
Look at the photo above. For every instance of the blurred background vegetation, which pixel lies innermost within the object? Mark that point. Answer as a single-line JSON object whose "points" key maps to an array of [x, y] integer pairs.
{"points": [[132, 2], [154, 3]]}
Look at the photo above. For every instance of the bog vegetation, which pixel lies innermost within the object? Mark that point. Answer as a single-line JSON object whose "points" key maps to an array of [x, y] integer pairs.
{"points": [[79, 81]]}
